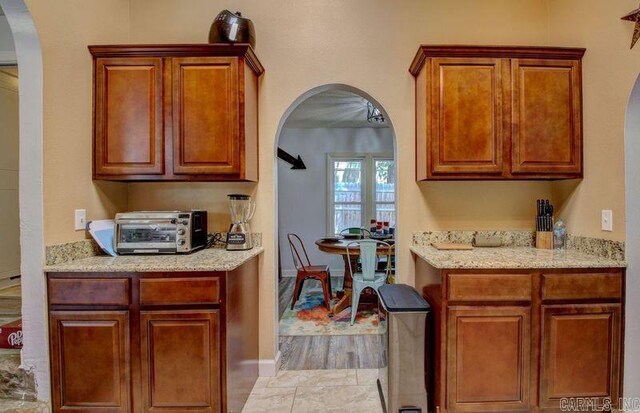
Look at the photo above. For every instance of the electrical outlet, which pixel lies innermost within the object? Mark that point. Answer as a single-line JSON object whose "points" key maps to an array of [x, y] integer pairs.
{"points": [[607, 220], [80, 219]]}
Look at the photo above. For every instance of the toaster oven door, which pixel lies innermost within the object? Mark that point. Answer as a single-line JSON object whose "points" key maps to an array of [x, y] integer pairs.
{"points": [[146, 236]]}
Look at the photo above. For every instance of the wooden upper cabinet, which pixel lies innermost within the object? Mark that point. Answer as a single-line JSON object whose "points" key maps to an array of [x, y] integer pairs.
{"points": [[176, 112], [128, 116], [498, 112], [205, 141], [466, 116], [547, 111]]}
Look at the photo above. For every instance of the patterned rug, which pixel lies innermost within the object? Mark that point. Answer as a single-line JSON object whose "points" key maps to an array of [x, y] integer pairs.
{"points": [[310, 317]]}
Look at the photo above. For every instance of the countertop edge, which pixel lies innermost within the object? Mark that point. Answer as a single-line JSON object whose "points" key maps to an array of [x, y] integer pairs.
{"points": [[440, 265], [77, 265]]}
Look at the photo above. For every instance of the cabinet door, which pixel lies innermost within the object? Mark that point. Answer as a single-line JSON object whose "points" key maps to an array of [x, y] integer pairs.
{"points": [[180, 361], [488, 361], [580, 352], [466, 116], [547, 117], [128, 117], [206, 133], [90, 361]]}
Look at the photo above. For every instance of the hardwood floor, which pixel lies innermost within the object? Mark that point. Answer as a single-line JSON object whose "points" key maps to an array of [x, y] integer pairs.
{"points": [[331, 352], [10, 304], [285, 292], [326, 352]]}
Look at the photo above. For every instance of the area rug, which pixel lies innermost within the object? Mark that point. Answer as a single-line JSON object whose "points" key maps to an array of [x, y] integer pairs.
{"points": [[310, 317]]}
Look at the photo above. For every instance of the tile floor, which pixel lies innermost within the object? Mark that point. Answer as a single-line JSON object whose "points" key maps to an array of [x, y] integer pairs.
{"points": [[311, 391]]}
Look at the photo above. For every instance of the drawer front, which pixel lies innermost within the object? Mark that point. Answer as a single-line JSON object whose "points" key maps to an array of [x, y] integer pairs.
{"points": [[597, 286], [89, 291], [176, 291], [489, 287]]}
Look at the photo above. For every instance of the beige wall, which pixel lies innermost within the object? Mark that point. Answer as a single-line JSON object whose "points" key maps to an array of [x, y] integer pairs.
{"points": [[367, 44], [211, 197], [65, 29], [9, 139], [610, 71]]}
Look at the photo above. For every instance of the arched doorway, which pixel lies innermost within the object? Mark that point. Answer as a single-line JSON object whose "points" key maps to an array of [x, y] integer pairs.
{"points": [[34, 355], [632, 196], [307, 195]]}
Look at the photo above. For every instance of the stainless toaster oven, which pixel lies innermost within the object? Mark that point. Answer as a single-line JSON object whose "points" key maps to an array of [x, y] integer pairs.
{"points": [[160, 232]]}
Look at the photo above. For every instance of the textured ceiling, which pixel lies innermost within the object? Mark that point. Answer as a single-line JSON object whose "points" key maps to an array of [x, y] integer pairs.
{"points": [[332, 109]]}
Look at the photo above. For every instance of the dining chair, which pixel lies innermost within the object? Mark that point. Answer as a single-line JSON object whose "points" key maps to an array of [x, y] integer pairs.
{"points": [[307, 271], [368, 276]]}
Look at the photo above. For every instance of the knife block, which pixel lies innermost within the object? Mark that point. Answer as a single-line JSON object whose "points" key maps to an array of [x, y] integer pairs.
{"points": [[544, 240]]}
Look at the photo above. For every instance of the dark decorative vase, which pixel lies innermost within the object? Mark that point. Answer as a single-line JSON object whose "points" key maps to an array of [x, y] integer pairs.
{"points": [[232, 28]]}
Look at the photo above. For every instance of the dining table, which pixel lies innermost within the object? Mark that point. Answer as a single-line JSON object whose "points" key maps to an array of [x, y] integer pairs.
{"points": [[340, 248]]}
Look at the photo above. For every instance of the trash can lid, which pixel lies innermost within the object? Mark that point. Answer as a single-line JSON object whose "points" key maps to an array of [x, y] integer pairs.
{"points": [[398, 298]]}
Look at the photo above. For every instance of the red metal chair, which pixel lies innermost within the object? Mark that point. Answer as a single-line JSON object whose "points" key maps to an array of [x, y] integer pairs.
{"points": [[307, 271]]}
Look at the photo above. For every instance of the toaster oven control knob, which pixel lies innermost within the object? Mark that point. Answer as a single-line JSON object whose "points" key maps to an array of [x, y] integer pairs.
{"points": [[181, 231], [181, 242], [185, 222]]}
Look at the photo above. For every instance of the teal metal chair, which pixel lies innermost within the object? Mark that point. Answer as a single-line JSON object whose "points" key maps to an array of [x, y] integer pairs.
{"points": [[368, 276]]}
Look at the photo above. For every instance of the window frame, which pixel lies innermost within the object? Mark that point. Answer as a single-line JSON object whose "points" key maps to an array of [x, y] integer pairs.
{"points": [[374, 203], [368, 184]]}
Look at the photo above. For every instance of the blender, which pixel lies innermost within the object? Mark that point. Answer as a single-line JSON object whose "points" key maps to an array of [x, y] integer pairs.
{"points": [[242, 209]]}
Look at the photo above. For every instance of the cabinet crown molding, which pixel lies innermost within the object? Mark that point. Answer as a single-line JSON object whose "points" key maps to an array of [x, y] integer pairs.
{"points": [[519, 52], [243, 50]]}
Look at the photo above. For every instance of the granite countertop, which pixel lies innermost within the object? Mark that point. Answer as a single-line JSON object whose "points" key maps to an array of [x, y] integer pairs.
{"points": [[512, 257], [212, 259]]}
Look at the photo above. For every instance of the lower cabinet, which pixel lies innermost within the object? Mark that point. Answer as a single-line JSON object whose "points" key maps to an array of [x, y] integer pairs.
{"points": [[580, 353], [180, 354], [178, 342], [489, 359], [525, 340], [90, 361]]}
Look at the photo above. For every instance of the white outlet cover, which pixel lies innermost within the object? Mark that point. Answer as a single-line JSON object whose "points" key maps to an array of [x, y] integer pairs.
{"points": [[607, 220], [80, 221]]}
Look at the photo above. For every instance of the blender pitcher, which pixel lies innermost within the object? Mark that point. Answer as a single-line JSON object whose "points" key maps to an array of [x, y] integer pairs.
{"points": [[241, 208]]}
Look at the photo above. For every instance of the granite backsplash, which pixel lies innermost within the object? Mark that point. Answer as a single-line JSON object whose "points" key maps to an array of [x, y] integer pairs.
{"points": [[594, 246], [71, 251]]}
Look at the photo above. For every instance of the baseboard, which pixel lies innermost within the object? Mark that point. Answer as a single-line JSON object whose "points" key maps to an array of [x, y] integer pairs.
{"points": [[269, 367], [8, 58]]}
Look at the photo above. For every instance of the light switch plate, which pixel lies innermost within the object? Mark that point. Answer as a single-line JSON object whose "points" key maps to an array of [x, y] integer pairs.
{"points": [[80, 219], [607, 220]]}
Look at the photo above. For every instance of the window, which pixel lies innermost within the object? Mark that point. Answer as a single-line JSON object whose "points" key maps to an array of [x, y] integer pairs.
{"points": [[348, 199], [361, 187], [385, 191]]}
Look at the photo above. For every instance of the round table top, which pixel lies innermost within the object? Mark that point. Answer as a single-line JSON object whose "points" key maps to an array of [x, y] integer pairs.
{"points": [[340, 247]]}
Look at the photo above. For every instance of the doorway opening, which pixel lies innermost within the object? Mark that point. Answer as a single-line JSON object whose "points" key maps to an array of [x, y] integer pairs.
{"points": [[33, 361], [632, 196], [336, 178], [10, 295]]}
